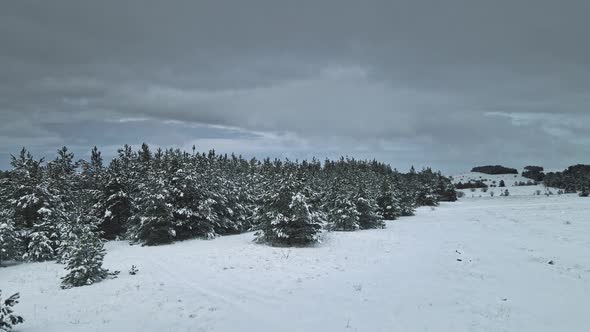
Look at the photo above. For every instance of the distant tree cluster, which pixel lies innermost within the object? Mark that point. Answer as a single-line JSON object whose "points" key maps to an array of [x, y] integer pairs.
{"points": [[494, 170], [471, 184], [534, 173], [574, 179]]}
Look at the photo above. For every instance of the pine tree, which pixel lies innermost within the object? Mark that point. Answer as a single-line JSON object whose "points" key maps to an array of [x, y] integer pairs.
{"points": [[153, 220], [7, 319], [80, 220], [192, 210], [44, 236], [304, 226], [116, 205], [344, 215], [388, 204], [92, 187], [426, 196], [22, 192], [407, 203], [368, 210], [9, 241], [294, 226], [85, 258]]}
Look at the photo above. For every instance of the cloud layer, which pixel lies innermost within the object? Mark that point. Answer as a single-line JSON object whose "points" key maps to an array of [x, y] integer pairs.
{"points": [[448, 84]]}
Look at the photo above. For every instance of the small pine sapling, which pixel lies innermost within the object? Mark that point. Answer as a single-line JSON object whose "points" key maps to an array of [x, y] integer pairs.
{"points": [[85, 261]]}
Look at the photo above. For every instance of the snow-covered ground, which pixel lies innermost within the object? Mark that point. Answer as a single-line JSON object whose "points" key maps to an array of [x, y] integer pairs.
{"points": [[509, 181], [475, 265]]}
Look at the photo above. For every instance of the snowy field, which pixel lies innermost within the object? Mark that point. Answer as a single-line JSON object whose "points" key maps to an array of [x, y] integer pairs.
{"points": [[508, 179], [480, 264]]}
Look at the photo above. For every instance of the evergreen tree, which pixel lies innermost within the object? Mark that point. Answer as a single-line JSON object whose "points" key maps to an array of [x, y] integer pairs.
{"points": [[344, 215], [304, 226], [368, 210], [295, 225], [85, 259], [93, 171], [153, 220], [388, 204], [7, 318], [407, 203], [22, 192], [9, 241], [192, 210], [92, 187], [116, 205], [44, 236], [426, 196]]}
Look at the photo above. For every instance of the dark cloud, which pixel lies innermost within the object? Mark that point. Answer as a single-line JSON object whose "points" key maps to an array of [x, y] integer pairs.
{"points": [[448, 83]]}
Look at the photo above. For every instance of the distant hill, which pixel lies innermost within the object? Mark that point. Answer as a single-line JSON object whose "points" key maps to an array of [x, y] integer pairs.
{"points": [[494, 170]]}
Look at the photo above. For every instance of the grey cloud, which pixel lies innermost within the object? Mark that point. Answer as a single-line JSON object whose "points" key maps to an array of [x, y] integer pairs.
{"points": [[409, 81]]}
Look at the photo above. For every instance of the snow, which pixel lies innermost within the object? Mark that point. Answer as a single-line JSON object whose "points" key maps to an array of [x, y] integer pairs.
{"points": [[508, 179], [472, 265]]}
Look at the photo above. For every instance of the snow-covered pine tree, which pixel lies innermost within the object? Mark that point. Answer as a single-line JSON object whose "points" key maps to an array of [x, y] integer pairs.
{"points": [[21, 191], [343, 216], [117, 208], [32, 207], [85, 259], [92, 173], [44, 236], [369, 216], [121, 189], [61, 175], [407, 202], [7, 317], [426, 196], [144, 160], [92, 192], [273, 208], [9, 240], [388, 204], [446, 190], [284, 216], [192, 211], [81, 219], [152, 222], [294, 226], [304, 226]]}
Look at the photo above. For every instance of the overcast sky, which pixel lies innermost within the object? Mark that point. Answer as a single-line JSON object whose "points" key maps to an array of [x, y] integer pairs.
{"points": [[443, 83]]}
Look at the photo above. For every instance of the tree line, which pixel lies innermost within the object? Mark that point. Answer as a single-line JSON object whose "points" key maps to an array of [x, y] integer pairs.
{"points": [[53, 210], [574, 179]]}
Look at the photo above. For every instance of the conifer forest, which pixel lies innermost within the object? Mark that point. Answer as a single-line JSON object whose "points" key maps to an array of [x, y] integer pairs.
{"points": [[61, 209]]}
